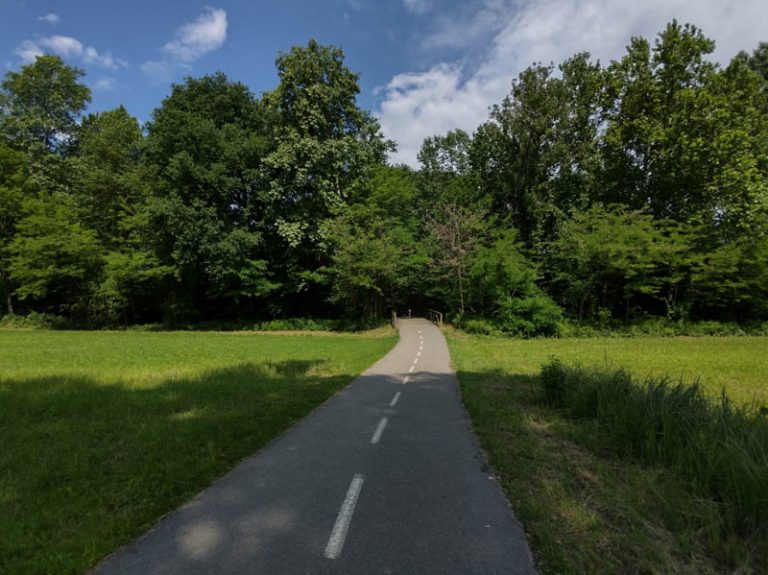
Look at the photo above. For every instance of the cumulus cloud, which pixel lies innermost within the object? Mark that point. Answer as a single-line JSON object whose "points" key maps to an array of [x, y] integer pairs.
{"points": [[509, 35], [28, 51], [50, 18], [192, 41], [67, 47]]}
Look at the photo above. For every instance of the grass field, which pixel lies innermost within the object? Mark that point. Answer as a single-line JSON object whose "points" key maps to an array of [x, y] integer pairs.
{"points": [[740, 364], [587, 510], [101, 433]]}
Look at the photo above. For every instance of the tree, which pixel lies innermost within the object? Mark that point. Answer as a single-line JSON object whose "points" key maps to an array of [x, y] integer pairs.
{"points": [[378, 262], [503, 287], [109, 182], [205, 146], [54, 260], [325, 147], [757, 61], [537, 157], [731, 280], [41, 104], [12, 168], [455, 232], [683, 139], [615, 259], [447, 154]]}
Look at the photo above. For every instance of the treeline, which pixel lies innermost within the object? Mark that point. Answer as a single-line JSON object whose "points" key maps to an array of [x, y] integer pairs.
{"points": [[594, 193]]}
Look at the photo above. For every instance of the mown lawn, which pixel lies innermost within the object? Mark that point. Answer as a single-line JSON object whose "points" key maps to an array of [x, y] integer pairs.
{"points": [[101, 433], [586, 509]]}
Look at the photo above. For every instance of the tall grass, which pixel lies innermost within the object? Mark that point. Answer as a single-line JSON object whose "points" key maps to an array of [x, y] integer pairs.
{"points": [[719, 447]]}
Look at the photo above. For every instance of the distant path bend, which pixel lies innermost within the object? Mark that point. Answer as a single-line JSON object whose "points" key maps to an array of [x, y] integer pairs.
{"points": [[385, 477]]}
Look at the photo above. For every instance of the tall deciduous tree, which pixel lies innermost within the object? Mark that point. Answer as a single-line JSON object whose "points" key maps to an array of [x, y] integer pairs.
{"points": [[683, 139], [537, 156], [108, 180], [205, 147], [41, 104], [325, 146]]}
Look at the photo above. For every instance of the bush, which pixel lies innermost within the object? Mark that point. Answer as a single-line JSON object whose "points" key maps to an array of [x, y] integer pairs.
{"points": [[33, 320], [721, 449], [479, 326], [660, 327], [536, 315], [294, 324]]}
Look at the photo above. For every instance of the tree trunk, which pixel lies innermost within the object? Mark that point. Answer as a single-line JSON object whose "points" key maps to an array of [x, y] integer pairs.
{"points": [[8, 291]]}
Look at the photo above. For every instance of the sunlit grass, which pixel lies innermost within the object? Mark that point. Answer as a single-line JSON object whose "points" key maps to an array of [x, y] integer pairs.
{"points": [[738, 364]]}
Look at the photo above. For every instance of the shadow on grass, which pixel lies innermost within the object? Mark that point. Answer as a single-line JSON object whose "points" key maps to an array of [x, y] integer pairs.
{"points": [[586, 509], [85, 467]]}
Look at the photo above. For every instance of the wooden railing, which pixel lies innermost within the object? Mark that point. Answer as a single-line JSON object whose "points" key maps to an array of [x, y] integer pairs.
{"points": [[436, 317]]}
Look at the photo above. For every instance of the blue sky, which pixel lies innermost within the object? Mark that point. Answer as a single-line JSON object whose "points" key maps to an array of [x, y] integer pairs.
{"points": [[426, 66]]}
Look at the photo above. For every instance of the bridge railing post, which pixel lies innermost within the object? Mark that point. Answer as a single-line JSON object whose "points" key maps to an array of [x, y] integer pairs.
{"points": [[436, 317]]}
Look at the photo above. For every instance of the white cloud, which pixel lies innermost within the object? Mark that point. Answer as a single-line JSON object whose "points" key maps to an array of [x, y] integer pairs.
{"points": [[50, 18], [193, 41], [417, 6], [28, 51], [512, 34], [68, 47], [104, 84]]}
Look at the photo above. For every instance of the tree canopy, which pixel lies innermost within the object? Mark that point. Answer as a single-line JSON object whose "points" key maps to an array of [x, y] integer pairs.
{"points": [[623, 191]]}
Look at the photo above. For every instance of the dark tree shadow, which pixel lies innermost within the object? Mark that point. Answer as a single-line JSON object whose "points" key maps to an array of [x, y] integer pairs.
{"points": [[85, 467]]}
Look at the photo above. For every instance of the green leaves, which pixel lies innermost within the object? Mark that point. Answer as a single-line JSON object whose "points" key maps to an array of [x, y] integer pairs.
{"points": [[54, 259], [40, 105]]}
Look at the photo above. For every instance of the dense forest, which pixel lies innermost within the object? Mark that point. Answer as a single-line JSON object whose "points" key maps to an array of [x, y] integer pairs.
{"points": [[593, 193]]}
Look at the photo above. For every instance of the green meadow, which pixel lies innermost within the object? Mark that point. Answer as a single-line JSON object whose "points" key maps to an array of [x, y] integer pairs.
{"points": [[101, 433]]}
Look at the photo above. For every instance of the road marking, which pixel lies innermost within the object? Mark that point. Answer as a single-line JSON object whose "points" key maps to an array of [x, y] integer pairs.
{"points": [[416, 360], [394, 399], [405, 380], [418, 354], [419, 332], [340, 528], [411, 369], [379, 430]]}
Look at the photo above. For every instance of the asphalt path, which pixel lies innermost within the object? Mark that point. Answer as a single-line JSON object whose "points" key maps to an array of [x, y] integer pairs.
{"points": [[385, 477]]}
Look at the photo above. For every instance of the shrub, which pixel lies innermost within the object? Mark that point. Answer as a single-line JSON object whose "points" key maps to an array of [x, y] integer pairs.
{"points": [[32, 320], [479, 326], [536, 315]]}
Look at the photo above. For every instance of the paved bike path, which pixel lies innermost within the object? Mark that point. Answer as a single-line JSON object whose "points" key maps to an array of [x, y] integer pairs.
{"points": [[385, 477]]}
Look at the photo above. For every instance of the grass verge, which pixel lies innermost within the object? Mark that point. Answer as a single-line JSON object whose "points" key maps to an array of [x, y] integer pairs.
{"points": [[586, 508], [103, 433]]}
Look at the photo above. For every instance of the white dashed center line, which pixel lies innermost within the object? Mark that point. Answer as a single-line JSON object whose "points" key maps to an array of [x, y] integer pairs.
{"points": [[395, 399], [416, 360], [405, 379], [419, 354], [379, 430], [340, 528], [410, 370]]}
